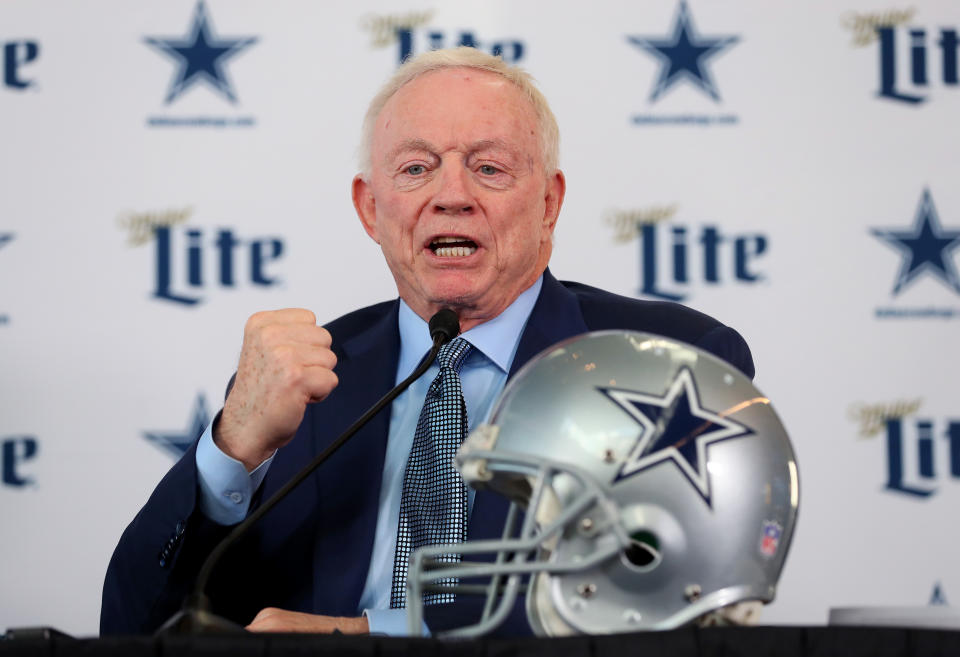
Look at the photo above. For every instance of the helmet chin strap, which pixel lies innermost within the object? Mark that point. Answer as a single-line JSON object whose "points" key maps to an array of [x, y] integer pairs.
{"points": [[745, 612], [541, 612]]}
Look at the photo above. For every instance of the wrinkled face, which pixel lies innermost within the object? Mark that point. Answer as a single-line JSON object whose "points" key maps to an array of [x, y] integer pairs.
{"points": [[457, 196]]}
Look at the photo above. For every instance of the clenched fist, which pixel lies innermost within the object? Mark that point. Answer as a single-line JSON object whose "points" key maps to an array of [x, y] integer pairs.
{"points": [[285, 364]]}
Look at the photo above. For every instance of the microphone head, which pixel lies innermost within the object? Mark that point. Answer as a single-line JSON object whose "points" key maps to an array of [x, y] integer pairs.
{"points": [[444, 325]]}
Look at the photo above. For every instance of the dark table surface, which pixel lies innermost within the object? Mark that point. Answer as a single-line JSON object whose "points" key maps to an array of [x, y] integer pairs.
{"points": [[692, 642]]}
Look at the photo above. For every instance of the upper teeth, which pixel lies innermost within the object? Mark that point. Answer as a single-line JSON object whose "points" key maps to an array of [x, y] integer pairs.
{"points": [[447, 240]]}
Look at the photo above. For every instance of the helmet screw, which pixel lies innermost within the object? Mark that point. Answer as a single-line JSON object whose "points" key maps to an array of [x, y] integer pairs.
{"points": [[632, 616], [586, 524], [586, 590], [608, 456], [692, 593]]}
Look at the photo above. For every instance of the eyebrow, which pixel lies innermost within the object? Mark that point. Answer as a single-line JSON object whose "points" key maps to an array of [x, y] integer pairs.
{"points": [[424, 145], [409, 145], [520, 159], [493, 143]]}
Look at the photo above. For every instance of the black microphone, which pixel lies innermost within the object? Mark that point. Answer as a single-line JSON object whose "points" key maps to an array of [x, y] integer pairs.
{"points": [[444, 325], [195, 616]]}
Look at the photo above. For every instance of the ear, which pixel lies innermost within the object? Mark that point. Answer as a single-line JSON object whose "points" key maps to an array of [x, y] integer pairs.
{"points": [[365, 206], [553, 200]]}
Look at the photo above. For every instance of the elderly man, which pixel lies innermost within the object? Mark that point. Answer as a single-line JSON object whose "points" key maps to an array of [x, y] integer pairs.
{"points": [[462, 192]]}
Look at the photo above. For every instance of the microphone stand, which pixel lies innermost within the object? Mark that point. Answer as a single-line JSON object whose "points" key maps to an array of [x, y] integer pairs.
{"points": [[195, 616]]}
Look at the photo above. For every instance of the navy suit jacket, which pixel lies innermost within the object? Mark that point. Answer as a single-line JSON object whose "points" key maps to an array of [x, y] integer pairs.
{"points": [[312, 552]]}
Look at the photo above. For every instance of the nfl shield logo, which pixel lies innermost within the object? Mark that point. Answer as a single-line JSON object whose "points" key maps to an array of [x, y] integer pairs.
{"points": [[771, 538]]}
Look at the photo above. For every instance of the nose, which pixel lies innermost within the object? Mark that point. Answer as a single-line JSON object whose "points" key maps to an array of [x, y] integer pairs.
{"points": [[453, 197]]}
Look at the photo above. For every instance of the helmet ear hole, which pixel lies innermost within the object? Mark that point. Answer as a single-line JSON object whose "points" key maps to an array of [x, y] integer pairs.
{"points": [[643, 552]]}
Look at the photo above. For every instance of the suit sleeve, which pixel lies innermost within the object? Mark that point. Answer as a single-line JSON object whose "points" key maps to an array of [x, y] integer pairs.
{"points": [[158, 555], [726, 343]]}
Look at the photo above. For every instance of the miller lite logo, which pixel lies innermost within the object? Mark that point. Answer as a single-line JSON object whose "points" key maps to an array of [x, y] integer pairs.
{"points": [[410, 33], [922, 452], [912, 59], [190, 261], [675, 257]]}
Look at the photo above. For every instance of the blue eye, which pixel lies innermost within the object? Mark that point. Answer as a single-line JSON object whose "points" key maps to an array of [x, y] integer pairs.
{"points": [[488, 170], [416, 169]]}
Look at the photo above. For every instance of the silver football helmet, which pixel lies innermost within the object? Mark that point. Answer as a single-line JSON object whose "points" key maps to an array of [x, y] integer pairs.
{"points": [[658, 486]]}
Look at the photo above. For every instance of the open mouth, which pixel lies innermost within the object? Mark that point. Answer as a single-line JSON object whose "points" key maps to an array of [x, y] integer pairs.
{"points": [[452, 247]]}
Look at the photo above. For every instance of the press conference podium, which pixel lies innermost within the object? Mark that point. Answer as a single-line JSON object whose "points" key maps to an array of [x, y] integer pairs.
{"points": [[824, 641]]}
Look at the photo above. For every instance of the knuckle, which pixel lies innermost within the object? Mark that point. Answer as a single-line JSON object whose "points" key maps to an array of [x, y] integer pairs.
{"points": [[283, 354], [270, 334], [257, 319], [324, 337], [299, 316], [322, 385], [292, 377], [325, 358]]}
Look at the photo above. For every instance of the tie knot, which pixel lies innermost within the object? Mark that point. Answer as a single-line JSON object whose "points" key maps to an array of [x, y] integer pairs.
{"points": [[453, 354]]}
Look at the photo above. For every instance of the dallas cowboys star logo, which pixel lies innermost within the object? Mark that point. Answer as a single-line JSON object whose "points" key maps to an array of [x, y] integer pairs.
{"points": [[4, 238], [200, 56], [684, 55], [674, 427], [177, 443], [925, 247], [938, 598]]}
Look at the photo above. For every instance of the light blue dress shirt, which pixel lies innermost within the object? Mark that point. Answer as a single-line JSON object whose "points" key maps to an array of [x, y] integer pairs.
{"points": [[226, 487]]}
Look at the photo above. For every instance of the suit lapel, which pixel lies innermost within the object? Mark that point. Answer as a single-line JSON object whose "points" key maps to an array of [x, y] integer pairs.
{"points": [[555, 317]]}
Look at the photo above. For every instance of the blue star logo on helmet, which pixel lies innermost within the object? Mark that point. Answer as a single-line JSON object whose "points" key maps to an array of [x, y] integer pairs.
{"points": [[925, 247], [684, 55], [674, 427], [200, 56]]}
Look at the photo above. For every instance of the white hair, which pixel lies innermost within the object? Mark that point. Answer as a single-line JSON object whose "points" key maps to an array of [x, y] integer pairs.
{"points": [[464, 57]]}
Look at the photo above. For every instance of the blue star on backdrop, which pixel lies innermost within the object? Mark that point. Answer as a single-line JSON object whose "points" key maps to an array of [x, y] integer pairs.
{"points": [[674, 427], [684, 55], [200, 56], [926, 247], [178, 442], [4, 238], [938, 598]]}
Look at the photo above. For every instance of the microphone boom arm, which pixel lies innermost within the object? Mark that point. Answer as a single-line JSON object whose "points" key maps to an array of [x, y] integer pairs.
{"points": [[444, 326]]}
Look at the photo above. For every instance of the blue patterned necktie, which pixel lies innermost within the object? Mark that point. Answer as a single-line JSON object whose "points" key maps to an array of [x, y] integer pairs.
{"points": [[433, 504]]}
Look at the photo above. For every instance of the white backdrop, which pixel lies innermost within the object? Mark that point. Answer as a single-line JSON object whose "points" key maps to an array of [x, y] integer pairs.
{"points": [[784, 142]]}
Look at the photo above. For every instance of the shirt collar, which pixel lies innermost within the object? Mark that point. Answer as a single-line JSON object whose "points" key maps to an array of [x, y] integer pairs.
{"points": [[497, 339]]}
